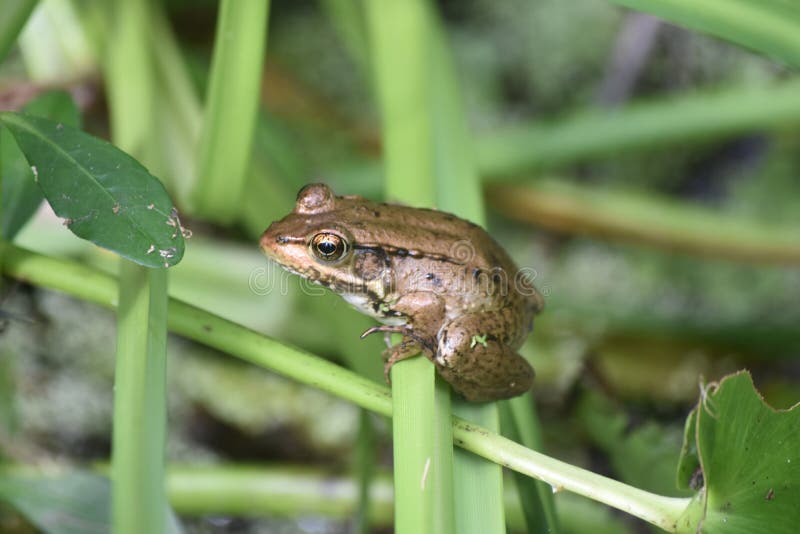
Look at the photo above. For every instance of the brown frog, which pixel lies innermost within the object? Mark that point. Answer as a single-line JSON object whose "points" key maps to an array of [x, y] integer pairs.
{"points": [[441, 282]]}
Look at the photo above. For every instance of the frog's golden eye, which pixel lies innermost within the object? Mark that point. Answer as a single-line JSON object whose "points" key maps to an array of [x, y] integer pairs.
{"points": [[328, 246]]}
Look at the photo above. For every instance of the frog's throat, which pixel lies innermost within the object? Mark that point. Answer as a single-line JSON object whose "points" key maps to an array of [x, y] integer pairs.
{"points": [[372, 308]]}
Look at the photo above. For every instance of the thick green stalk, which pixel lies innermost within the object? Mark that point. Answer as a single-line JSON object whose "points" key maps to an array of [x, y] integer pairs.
{"points": [[231, 107], [138, 494], [15, 14], [521, 424], [423, 452], [221, 334], [364, 472], [401, 62], [252, 491], [139, 497], [478, 483]]}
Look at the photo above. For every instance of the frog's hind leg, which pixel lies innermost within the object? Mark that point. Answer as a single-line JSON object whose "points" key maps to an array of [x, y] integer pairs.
{"points": [[474, 358]]}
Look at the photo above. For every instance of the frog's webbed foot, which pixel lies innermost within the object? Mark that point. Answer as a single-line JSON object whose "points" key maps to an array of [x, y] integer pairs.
{"points": [[411, 345]]}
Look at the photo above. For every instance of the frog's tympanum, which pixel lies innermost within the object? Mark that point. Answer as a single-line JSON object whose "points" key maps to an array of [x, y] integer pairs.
{"points": [[441, 282]]}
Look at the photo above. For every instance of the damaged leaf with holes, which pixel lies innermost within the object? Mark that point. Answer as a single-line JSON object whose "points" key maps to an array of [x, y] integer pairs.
{"points": [[103, 195], [743, 457]]}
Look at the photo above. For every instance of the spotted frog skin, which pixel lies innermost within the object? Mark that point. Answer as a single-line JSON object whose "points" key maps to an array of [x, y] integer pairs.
{"points": [[441, 282]]}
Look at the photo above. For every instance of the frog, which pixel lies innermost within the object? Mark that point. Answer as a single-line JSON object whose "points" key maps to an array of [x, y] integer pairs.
{"points": [[442, 282]]}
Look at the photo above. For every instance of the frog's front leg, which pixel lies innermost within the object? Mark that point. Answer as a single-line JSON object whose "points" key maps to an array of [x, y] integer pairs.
{"points": [[473, 357], [424, 312]]}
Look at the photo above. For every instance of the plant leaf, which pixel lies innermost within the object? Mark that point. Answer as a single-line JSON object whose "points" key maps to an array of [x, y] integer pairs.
{"points": [[771, 27], [15, 15], [689, 469], [73, 503], [104, 195], [21, 196], [750, 456]]}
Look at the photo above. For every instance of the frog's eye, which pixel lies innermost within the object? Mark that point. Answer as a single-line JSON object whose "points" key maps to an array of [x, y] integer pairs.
{"points": [[328, 246]]}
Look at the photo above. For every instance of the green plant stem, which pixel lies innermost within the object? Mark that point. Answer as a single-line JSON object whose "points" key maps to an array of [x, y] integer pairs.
{"points": [[770, 27], [646, 219], [243, 490], [423, 447], [479, 483], [700, 117], [478, 492], [231, 107], [656, 509], [138, 496], [536, 496], [15, 14], [178, 110], [129, 77], [401, 67], [364, 471], [140, 402], [204, 327]]}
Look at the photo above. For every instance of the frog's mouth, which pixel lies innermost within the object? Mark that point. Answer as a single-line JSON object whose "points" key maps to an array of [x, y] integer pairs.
{"points": [[286, 268]]}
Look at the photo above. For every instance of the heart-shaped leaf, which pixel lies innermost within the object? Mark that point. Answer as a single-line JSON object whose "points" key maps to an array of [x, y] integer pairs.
{"points": [[104, 195], [749, 455]]}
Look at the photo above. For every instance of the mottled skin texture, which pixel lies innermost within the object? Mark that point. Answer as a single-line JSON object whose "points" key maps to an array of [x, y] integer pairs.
{"points": [[440, 281]]}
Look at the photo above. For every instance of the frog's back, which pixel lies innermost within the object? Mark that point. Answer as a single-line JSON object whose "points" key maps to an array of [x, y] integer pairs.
{"points": [[423, 232], [441, 246]]}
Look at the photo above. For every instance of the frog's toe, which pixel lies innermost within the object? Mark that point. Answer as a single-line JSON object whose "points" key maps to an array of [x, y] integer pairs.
{"points": [[406, 349], [386, 329]]}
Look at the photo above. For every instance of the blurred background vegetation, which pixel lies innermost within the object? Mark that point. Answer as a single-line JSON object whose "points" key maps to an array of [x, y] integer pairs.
{"points": [[648, 174]]}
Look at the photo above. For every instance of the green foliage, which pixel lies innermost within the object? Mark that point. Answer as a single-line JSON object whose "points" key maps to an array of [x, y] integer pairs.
{"points": [[644, 456], [771, 27], [749, 458], [20, 194], [104, 195], [589, 134], [227, 133], [15, 13], [739, 459], [76, 503], [70, 503]]}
